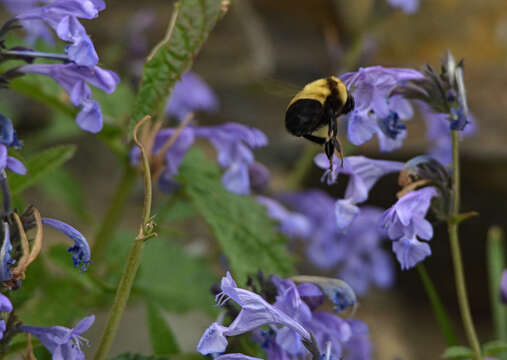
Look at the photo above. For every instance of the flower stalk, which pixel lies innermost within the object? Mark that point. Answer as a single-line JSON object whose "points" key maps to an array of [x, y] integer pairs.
{"points": [[459, 273]]}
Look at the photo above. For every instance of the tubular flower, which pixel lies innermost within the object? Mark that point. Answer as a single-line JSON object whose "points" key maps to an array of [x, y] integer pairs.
{"points": [[405, 222], [191, 94], [63, 343], [75, 80], [5, 255], [81, 250], [5, 307], [9, 138], [363, 172], [62, 16], [376, 111], [35, 29]]}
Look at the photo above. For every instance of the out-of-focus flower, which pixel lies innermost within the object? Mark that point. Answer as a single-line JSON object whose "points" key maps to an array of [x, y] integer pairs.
{"points": [[191, 94], [291, 224], [62, 342], [376, 111], [503, 287], [74, 80], [439, 134], [5, 255], [9, 138], [356, 251], [405, 222], [5, 307], [363, 172], [259, 176], [81, 250], [408, 6], [62, 16]]}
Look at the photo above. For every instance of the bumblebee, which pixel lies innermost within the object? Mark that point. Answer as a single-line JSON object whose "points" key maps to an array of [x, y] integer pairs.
{"points": [[317, 105]]}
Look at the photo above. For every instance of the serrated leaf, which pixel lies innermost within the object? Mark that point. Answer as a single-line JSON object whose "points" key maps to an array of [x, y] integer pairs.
{"points": [[41, 165], [494, 347], [191, 22], [162, 338], [174, 279], [458, 352], [247, 236]]}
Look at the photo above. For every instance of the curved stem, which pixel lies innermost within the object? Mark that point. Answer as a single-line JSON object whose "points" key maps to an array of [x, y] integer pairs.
{"points": [[113, 215], [133, 261], [459, 273]]}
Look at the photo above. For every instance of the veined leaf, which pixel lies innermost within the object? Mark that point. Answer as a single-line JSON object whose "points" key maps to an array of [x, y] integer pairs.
{"points": [[191, 22], [245, 232], [41, 165]]}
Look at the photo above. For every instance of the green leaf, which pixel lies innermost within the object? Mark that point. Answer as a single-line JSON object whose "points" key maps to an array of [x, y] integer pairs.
{"points": [[244, 231], [174, 279], [191, 22], [41, 165], [458, 352], [494, 347], [161, 336]]}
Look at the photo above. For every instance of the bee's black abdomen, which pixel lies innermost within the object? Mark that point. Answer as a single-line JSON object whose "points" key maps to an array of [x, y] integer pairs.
{"points": [[303, 117]]}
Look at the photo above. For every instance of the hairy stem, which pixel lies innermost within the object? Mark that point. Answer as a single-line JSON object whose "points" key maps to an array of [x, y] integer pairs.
{"points": [[113, 215], [437, 305], [459, 273], [133, 261]]}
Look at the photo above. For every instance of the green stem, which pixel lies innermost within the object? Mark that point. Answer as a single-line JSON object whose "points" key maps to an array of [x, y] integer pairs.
{"points": [[459, 273], [496, 265], [438, 306], [133, 261], [113, 215]]}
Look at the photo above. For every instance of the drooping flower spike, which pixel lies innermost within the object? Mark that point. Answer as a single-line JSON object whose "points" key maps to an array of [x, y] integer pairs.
{"points": [[63, 343]]}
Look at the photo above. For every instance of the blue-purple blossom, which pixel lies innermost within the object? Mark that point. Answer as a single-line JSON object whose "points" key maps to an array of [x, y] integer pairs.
{"points": [[5, 307], [438, 133], [191, 94], [255, 312], [405, 222], [356, 251], [9, 138], [236, 356], [62, 16], [408, 6], [503, 287], [292, 224], [75, 80], [376, 111], [81, 250], [5, 255], [35, 29], [363, 173], [63, 343]]}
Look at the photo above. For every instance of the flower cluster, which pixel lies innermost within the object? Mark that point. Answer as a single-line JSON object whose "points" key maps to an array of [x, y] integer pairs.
{"points": [[80, 68], [233, 142], [304, 329]]}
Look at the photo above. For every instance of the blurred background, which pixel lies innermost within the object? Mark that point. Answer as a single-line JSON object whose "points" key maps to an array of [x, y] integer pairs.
{"points": [[257, 57]]}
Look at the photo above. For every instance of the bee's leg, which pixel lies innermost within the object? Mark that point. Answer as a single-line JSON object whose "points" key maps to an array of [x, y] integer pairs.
{"points": [[333, 125], [338, 147], [316, 139], [329, 148]]}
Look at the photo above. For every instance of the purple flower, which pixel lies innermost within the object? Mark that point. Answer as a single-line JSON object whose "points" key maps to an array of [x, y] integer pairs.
{"points": [[5, 255], [62, 16], [235, 357], [503, 287], [81, 250], [291, 224], [34, 28], [5, 307], [376, 112], [439, 133], [255, 312], [405, 222], [233, 142], [363, 172], [74, 80], [408, 6], [259, 176], [61, 342], [9, 138], [191, 94]]}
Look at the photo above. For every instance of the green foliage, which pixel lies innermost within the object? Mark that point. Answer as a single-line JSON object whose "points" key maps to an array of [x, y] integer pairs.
{"points": [[494, 348], [244, 231], [458, 352], [161, 337], [190, 25], [496, 265], [166, 269], [41, 165]]}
